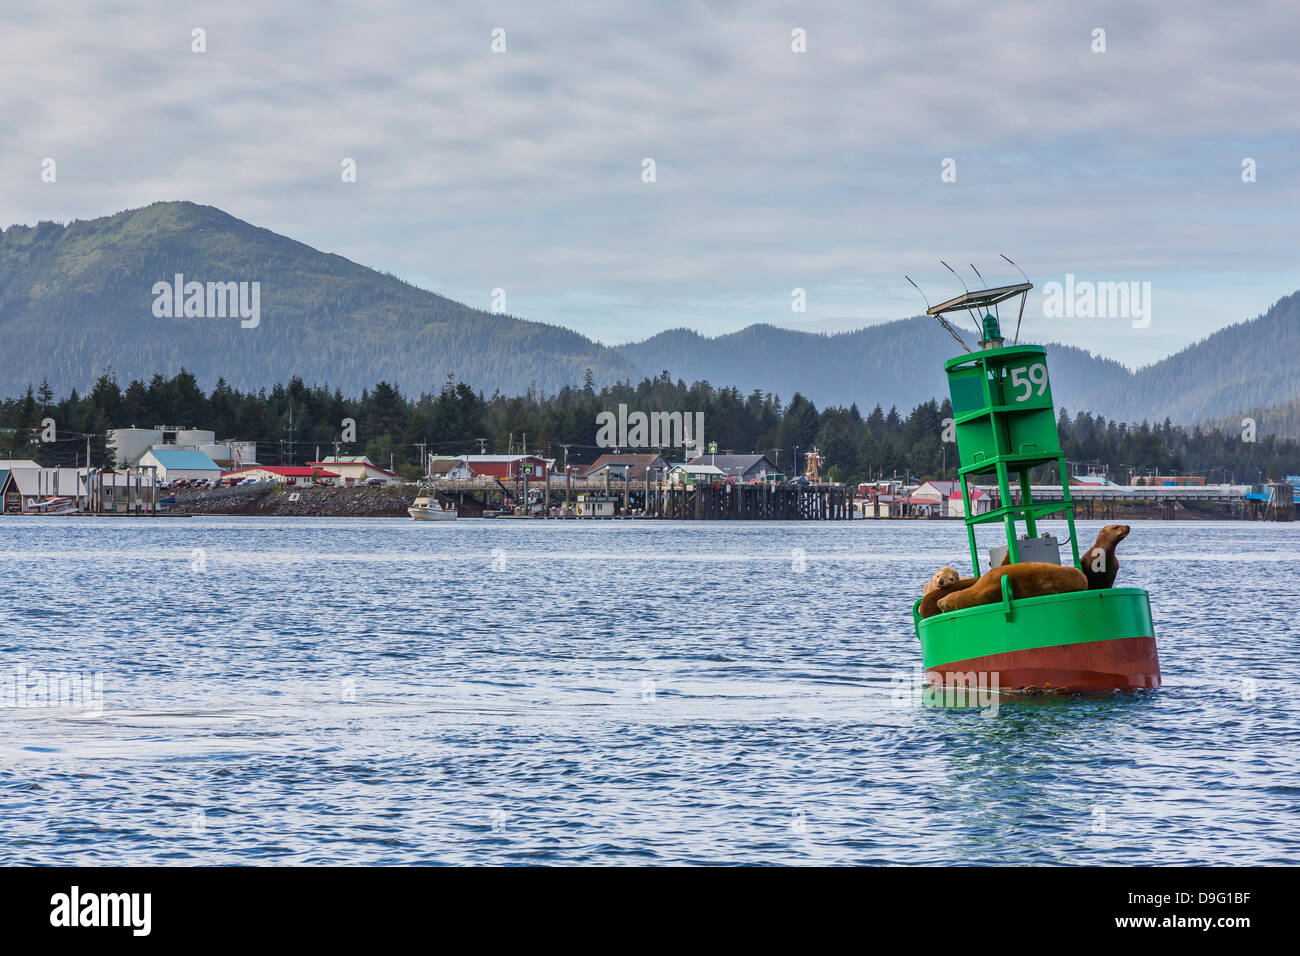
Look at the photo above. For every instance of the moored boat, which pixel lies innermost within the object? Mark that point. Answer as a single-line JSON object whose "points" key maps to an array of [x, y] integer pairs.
{"points": [[428, 508], [53, 505]]}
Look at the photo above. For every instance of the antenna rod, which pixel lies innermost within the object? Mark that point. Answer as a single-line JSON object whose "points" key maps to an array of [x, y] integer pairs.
{"points": [[981, 278], [942, 321], [1016, 340], [918, 289], [978, 330]]}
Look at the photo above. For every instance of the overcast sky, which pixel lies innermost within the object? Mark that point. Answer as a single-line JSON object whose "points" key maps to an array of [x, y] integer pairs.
{"points": [[774, 169]]}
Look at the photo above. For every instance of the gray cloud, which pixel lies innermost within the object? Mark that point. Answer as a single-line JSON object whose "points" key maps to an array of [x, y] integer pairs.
{"points": [[775, 169]]}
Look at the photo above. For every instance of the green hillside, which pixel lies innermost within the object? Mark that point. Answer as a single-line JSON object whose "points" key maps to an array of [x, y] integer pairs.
{"points": [[77, 299]]}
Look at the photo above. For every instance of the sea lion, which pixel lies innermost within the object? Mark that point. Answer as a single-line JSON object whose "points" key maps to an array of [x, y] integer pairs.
{"points": [[945, 581], [945, 577], [1099, 562], [1028, 579]]}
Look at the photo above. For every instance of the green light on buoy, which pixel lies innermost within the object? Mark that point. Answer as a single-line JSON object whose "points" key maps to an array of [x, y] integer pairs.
{"points": [[992, 333]]}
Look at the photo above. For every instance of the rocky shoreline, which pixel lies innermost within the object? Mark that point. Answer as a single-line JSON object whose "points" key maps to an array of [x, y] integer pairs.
{"points": [[315, 501]]}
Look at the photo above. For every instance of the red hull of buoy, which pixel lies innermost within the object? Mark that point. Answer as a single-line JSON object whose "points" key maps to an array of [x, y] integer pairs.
{"points": [[1126, 663]]}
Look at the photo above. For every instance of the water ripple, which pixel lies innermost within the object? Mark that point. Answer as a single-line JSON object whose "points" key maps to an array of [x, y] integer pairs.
{"points": [[385, 692]]}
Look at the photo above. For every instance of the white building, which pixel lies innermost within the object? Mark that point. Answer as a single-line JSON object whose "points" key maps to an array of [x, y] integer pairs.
{"points": [[286, 474], [981, 502], [128, 445], [445, 466], [354, 469], [594, 506], [933, 498], [173, 463], [28, 484]]}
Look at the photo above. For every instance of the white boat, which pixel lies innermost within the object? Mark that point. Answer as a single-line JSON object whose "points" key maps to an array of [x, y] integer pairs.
{"points": [[428, 508], [54, 506]]}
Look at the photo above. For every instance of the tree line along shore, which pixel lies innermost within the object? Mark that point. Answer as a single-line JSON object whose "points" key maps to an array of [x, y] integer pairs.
{"points": [[293, 423]]}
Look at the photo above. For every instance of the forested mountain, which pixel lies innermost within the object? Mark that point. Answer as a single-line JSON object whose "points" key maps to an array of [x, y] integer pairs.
{"points": [[77, 299], [1251, 364], [1282, 420]]}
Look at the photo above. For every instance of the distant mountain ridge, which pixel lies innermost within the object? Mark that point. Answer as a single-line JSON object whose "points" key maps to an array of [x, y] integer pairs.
{"points": [[1248, 365], [77, 299], [896, 363]]}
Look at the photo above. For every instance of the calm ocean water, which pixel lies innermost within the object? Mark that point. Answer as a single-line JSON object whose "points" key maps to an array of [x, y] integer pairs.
{"points": [[384, 691]]}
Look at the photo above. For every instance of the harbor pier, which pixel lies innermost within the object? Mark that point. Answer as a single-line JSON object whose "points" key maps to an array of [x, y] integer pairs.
{"points": [[612, 497]]}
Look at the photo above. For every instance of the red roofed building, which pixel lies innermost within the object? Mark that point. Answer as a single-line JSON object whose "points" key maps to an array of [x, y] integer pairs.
{"points": [[506, 466], [284, 474], [355, 469]]}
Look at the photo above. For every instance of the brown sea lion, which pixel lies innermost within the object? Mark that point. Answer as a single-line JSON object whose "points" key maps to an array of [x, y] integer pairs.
{"points": [[1028, 579], [945, 581], [1099, 562]]}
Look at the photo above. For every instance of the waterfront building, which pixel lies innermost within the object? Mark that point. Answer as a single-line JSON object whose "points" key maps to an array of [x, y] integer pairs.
{"points": [[127, 446], [504, 467], [689, 475], [286, 474], [595, 506], [981, 502], [742, 468], [354, 469], [449, 467], [630, 467], [1091, 481], [26, 484], [931, 498], [174, 463]]}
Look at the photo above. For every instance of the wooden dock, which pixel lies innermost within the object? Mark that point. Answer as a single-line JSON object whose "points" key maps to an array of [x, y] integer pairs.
{"points": [[631, 499]]}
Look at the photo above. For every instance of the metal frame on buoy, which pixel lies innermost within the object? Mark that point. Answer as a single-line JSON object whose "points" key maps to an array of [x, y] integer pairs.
{"points": [[1005, 419]]}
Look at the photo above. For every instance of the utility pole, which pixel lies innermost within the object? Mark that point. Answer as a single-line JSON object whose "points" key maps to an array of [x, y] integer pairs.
{"points": [[290, 435], [482, 445], [423, 458], [568, 480]]}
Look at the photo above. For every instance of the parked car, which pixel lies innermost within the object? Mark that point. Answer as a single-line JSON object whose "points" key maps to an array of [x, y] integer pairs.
{"points": [[373, 482]]}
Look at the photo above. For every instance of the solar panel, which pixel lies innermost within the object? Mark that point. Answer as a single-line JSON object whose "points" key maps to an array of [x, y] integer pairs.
{"points": [[981, 298]]}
